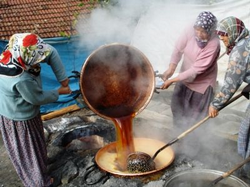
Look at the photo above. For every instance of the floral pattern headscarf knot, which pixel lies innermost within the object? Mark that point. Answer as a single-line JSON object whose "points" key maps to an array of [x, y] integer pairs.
{"points": [[207, 21], [24, 51], [234, 28]]}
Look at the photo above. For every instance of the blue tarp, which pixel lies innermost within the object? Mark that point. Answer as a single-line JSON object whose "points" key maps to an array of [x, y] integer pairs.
{"points": [[73, 57]]}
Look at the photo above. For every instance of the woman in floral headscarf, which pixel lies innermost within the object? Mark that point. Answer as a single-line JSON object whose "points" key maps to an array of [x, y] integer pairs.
{"points": [[21, 96], [235, 37], [193, 92]]}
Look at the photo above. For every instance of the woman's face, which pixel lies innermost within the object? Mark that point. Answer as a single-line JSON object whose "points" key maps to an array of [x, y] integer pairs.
{"points": [[201, 33], [225, 40]]}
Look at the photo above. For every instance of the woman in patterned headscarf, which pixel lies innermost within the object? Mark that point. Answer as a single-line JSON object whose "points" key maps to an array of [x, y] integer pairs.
{"points": [[193, 92], [21, 96], [235, 37]]}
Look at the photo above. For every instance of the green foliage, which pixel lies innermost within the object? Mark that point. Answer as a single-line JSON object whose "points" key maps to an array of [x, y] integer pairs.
{"points": [[64, 34], [81, 4]]}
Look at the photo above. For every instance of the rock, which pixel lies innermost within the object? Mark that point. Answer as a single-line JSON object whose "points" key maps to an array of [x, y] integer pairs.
{"points": [[53, 152], [69, 172], [84, 143], [59, 124]]}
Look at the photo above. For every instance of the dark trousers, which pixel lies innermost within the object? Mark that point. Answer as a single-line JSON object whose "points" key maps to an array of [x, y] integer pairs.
{"points": [[188, 106]]}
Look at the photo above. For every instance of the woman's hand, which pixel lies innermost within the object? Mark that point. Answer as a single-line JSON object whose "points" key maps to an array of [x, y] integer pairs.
{"points": [[64, 90], [165, 76], [166, 84], [169, 82], [213, 112], [65, 82], [169, 72]]}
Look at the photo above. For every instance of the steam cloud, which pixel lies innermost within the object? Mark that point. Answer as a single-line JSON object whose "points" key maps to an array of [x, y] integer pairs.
{"points": [[152, 27]]}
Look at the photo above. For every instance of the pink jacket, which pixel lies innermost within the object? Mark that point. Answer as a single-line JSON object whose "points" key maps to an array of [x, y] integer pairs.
{"points": [[199, 67]]}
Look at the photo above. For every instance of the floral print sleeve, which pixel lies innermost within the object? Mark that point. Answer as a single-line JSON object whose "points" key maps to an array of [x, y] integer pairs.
{"points": [[238, 71]]}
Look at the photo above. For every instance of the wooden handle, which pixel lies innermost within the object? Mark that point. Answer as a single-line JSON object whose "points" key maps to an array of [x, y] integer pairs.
{"points": [[60, 112], [226, 174], [206, 118], [193, 128]]}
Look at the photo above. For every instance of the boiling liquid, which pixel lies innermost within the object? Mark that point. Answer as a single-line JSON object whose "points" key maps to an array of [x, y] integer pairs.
{"points": [[124, 140]]}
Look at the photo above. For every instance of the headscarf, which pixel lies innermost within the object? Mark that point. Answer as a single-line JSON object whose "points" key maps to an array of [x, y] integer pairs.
{"points": [[234, 28], [22, 52], [207, 21]]}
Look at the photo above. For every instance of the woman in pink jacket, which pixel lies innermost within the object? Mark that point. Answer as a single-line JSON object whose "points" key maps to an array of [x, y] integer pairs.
{"points": [[198, 48]]}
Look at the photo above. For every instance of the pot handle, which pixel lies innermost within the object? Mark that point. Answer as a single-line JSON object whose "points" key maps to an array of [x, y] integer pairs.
{"points": [[159, 76], [156, 73]]}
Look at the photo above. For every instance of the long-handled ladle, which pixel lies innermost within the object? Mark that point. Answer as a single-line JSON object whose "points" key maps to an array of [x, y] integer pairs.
{"points": [[139, 162], [228, 173]]}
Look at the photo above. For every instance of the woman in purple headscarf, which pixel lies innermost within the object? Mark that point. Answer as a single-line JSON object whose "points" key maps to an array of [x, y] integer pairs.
{"points": [[199, 47], [235, 37]]}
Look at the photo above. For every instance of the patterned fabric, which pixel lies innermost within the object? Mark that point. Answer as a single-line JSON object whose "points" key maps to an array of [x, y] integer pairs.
{"points": [[207, 21], [189, 106], [25, 144], [234, 29], [23, 51], [244, 135], [238, 71]]}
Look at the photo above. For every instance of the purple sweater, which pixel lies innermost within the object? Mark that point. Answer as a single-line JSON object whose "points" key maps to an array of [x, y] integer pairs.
{"points": [[199, 67]]}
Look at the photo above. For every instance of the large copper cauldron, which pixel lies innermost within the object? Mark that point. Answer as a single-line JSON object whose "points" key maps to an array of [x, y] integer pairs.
{"points": [[202, 177], [118, 80]]}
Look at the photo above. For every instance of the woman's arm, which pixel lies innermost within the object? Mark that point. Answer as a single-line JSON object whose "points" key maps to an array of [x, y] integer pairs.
{"points": [[56, 64], [235, 73]]}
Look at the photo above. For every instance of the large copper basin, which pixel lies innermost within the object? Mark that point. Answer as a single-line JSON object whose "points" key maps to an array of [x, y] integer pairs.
{"points": [[117, 80], [106, 157]]}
